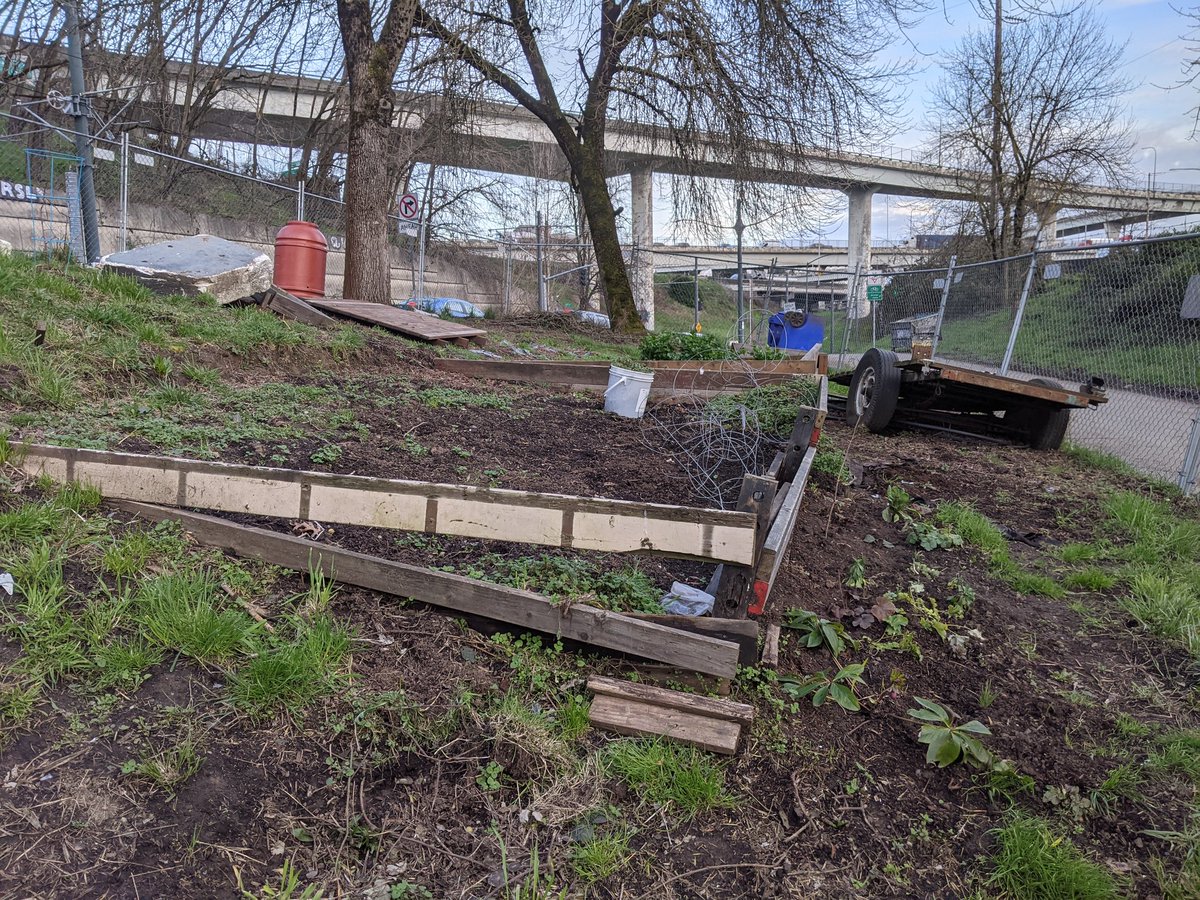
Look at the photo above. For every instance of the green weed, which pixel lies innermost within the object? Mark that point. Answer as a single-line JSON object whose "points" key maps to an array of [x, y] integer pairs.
{"points": [[1033, 863], [180, 612], [659, 771], [601, 857], [289, 675]]}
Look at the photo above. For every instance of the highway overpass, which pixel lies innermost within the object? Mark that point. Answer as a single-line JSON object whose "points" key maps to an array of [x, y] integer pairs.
{"points": [[501, 137]]}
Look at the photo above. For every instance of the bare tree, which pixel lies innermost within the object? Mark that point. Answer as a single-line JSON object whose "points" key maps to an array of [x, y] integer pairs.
{"points": [[706, 78], [1053, 122]]}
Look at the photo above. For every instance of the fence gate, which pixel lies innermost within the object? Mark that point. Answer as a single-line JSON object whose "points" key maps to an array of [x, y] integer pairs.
{"points": [[52, 191]]}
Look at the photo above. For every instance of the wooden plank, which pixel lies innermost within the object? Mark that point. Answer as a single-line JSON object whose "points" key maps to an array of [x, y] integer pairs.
{"points": [[770, 654], [1016, 386], [287, 306], [822, 363], [737, 582], [812, 353], [637, 719], [578, 622], [799, 441], [403, 321], [757, 367], [743, 632], [726, 710], [779, 537], [555, 520]]}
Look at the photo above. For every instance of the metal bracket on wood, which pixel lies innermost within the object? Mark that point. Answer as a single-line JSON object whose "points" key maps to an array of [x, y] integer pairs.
{"points": [[798, 443], [736, 583]]}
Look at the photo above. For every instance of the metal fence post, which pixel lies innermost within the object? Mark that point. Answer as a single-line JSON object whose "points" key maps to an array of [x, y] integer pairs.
{"points": [[1191, 459], [851, 293], [937, 331], [696, 294], [506, 304], [1012, 338], [421, 259], [543, 306], [124, 191], [300, 201]]}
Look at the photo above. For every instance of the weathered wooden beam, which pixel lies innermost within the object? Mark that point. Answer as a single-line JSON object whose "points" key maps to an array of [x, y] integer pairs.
{"points": [[579, 622], [555, 520], [743, 632], [637, 709], [780, 535], [737, 582], [287, 306]]}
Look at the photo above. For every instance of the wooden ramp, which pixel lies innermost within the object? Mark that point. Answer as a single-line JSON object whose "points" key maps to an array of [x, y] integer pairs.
{"points": [[409, 323]]}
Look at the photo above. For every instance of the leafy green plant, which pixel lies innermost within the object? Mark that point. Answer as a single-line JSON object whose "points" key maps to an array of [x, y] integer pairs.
{"points": [[288, 887], [168, 768], [949, 742], [856, 576], [816, 631], [326, 455], [488, 778], [677, 346], [822, 686], [899, 502], [930, 536]]}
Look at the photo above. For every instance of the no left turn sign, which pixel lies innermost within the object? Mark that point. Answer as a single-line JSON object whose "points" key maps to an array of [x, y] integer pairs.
{"points": [[410, 208]]}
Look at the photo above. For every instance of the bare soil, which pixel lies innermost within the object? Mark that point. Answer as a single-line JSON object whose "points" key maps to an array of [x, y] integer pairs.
{"points": [[826, 804]]}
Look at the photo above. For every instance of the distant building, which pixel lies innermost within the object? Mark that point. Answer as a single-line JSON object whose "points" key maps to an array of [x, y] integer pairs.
{"points": [[932, 241]]}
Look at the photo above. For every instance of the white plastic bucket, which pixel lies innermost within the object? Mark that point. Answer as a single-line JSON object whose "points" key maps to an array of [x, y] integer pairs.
{"points": [[627, 392]]}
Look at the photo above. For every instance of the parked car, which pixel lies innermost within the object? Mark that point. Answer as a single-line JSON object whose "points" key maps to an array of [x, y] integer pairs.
{"points": [[453, 307]]}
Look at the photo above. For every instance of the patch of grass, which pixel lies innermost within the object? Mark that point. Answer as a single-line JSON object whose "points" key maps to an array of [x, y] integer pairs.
{"points": [[659, 771], [1077, 553], [572, 717], [1090, 578], [601, 857], [451, 398], [168, 768], [1179, 753], [1165, 607], [288, 675], [1033, 863], [979, 531], [180, 612]]}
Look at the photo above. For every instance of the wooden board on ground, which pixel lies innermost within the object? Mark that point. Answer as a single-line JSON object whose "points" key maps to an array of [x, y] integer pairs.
{"points": [[639, 709], [743, 632], [554, 520], [287, 306], [407, 322], [579, 622]]}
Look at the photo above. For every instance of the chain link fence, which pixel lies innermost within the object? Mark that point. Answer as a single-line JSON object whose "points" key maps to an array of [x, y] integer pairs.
{"points": [[145, 196], [1127, 313]]}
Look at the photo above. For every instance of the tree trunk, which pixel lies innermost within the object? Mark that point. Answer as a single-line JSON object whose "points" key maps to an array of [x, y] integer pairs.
{"points": [[368, 261], [602, 223]]}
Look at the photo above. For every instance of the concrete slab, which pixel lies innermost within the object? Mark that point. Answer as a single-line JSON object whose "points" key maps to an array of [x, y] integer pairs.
{"points": [[194, 265]]}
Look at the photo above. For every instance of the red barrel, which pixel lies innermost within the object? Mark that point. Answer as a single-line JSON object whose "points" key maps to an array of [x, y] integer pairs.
{"points": [[300, 251]]}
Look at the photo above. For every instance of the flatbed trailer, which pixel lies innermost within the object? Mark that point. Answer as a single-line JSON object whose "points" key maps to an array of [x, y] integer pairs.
{"points": [[886, 391]]}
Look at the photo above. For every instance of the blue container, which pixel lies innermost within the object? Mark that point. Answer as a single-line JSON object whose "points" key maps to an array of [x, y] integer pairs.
{"points": [[795, 330]]}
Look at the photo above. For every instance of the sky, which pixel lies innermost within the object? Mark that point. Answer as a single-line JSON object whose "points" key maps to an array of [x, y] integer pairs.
{"points": [[1160, 117]]}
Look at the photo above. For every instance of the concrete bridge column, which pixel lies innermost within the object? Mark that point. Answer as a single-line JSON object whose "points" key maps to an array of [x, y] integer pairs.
{"points": [[1047, 225], [641, 269], [1112, 230], [859, 245]]}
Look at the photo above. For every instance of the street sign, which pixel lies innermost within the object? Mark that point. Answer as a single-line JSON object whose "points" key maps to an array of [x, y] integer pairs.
{"points": [[410, 208], [874, 293]]}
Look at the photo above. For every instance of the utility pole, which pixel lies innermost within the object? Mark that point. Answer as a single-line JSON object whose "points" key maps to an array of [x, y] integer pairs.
{"points": [[739, 226], [81, 110], [998, 236]]}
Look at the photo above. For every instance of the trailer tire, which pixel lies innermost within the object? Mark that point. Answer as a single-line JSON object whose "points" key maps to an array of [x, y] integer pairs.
{"points": [[1045, 428], [874, 390]]}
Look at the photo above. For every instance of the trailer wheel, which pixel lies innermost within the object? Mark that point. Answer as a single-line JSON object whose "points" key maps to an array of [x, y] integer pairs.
{"points": [[1045, 428], [874, 390]]}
